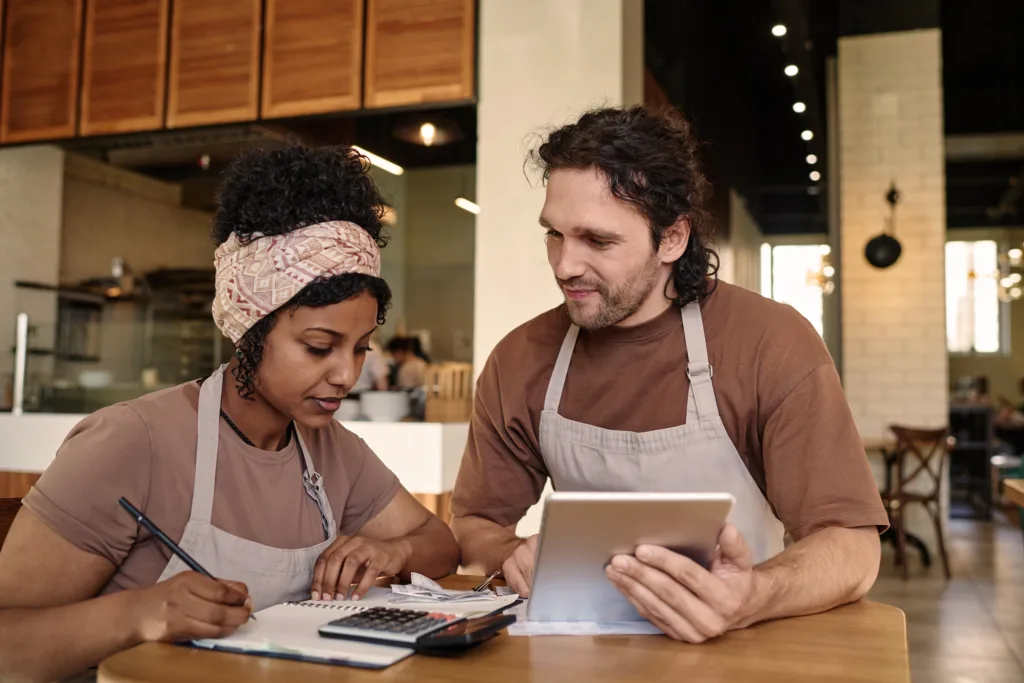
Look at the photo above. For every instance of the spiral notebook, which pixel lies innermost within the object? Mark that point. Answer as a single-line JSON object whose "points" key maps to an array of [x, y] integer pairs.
{"points": [[289, 631]]}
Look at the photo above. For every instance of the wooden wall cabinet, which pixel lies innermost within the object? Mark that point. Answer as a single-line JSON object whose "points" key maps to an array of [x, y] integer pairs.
{"points": [[214, 62], [39, 80], [419, 51], [312, 57], [124, 66]]}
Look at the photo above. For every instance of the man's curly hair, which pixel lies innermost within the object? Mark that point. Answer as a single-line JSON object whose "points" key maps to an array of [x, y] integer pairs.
{"points": [[273, 192], [650, 158]]}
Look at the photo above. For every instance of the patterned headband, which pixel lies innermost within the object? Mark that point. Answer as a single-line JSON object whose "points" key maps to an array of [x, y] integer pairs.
{"points": [[255, 279]]}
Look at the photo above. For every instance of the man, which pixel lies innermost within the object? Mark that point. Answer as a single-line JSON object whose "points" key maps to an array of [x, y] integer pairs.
{"points": [[653, 376]]}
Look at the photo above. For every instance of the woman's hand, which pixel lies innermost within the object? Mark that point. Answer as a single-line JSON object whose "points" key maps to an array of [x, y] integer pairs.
{"points": [[338, 566], [189, 606]]}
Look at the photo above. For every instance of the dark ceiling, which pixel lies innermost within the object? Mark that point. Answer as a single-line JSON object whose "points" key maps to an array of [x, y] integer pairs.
{"points": [[718, 62]]}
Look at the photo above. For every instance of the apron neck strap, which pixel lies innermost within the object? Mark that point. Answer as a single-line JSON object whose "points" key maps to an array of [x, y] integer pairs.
{"points": [[554, 394], [207, 439], [698, 369], [314, 485]]}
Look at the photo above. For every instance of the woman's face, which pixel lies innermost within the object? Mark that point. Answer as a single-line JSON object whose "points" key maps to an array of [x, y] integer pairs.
{"points": [[313, 356]]}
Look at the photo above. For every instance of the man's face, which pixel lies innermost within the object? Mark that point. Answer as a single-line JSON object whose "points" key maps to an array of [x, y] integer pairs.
{"points": [[599, 249]]}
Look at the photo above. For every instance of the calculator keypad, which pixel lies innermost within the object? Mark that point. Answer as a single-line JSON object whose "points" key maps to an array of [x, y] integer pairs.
{"points": [[392, 624]]}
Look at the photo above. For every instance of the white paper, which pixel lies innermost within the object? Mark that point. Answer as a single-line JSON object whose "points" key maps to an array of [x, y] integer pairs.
{"points": [[522, 627], [423, 589], [383, 597]]}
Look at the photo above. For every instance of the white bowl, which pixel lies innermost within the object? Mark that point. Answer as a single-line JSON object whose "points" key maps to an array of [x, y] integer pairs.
{"points": [[348, 411], [385, 406], [96, 379]]}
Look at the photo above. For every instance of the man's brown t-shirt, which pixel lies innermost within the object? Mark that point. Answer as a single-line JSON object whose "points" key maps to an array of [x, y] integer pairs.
{"points": [[145, 450], [777, 391]]}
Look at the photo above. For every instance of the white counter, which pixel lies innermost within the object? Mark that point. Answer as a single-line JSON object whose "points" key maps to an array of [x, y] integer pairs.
{"points": [[425, 456]]}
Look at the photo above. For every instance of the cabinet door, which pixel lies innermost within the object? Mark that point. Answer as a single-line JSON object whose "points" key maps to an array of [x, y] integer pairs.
{"points": [[312, 56], [419, 51], [124, 66], [215, 55], [39, 84]]}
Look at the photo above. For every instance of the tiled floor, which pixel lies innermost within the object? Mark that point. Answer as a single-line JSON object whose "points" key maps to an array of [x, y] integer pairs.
{"points": [[971, 629]]}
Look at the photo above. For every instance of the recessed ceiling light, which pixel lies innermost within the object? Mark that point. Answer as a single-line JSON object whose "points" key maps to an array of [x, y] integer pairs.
{"points": [[779, 30], [799, 107], [380, 162], [792, 70], [812, 158], [815, 176], [467, 205], [807, 135]]}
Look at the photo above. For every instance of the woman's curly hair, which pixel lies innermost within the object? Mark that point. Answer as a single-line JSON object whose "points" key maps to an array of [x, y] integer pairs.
{"points": [[650, 158], [273, 192]]}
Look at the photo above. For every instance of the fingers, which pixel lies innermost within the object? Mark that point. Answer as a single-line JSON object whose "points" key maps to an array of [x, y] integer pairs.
{"points": [[733, 548], [514, 578], [652, 608], [212, 590], [370, 574], [682, 569], [328, 568], [215, 614]]}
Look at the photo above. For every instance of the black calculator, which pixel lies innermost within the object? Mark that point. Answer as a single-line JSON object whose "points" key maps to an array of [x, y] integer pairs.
{"points": [[422, 631]]}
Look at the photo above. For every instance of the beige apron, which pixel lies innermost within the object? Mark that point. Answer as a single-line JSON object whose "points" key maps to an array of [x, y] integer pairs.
{"points": [[273, 575], [696, 457]]}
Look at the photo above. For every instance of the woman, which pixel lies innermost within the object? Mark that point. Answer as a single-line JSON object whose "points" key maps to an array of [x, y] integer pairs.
{"points": [[247, 470]]}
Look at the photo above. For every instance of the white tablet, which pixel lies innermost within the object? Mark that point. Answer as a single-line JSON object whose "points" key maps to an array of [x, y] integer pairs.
{"points": [[581, 532]]}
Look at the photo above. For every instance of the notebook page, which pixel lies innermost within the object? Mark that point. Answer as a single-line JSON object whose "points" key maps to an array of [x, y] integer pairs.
{"points": [[292, 629]]}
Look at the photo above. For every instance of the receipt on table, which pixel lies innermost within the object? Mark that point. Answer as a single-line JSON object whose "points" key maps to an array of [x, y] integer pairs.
{"points": [[522, 627]]}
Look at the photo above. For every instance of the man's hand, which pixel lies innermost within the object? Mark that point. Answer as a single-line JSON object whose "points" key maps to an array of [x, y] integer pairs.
{"points": [[518, 568], [350, 557], [683, 599]]}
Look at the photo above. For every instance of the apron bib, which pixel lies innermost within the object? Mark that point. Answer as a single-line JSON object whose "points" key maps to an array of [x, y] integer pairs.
{"points": [[697, 457], [273, 575]]}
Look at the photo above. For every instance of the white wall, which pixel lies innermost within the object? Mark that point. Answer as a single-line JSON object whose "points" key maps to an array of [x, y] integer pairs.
{"points": [[541, 64], [31, 183], [740, 257]]}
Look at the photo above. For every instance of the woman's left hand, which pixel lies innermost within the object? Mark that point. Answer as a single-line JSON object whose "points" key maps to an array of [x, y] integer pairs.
{"points": [[338, 566]]}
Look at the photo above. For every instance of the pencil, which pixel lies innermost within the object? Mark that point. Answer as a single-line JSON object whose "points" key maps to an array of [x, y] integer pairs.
{"points": [[163, 538]]}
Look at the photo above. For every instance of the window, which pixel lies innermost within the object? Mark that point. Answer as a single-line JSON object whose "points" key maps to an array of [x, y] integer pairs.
{"points": [[973, 309], [798, 275]]}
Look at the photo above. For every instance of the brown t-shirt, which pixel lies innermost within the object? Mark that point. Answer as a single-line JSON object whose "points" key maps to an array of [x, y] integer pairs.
{"points": [[145, 450], [777, 391]]}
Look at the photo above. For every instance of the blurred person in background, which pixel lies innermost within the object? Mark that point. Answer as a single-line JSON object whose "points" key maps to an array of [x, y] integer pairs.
{"points": [[410, 364]]}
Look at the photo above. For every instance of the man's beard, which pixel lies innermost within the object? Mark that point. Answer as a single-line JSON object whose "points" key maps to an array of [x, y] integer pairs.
{"points": [[616, 304]]}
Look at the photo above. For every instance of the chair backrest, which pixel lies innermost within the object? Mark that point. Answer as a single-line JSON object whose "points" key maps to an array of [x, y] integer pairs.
{"points": [[921, 452], [8, 511]]}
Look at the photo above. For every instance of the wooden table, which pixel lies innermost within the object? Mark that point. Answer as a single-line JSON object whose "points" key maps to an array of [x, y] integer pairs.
{"points": [[1015, 491], [864, 642]]}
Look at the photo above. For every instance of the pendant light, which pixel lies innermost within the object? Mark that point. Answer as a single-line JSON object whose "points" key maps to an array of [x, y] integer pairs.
{"points": [[882, 251]]}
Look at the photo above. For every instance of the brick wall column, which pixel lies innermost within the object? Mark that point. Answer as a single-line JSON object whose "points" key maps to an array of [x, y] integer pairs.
{"points": [[890, 130]]}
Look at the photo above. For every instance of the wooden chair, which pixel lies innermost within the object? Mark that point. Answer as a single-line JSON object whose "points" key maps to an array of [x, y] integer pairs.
{"points": [[920, 453], [449, 392], [8, 511]]}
